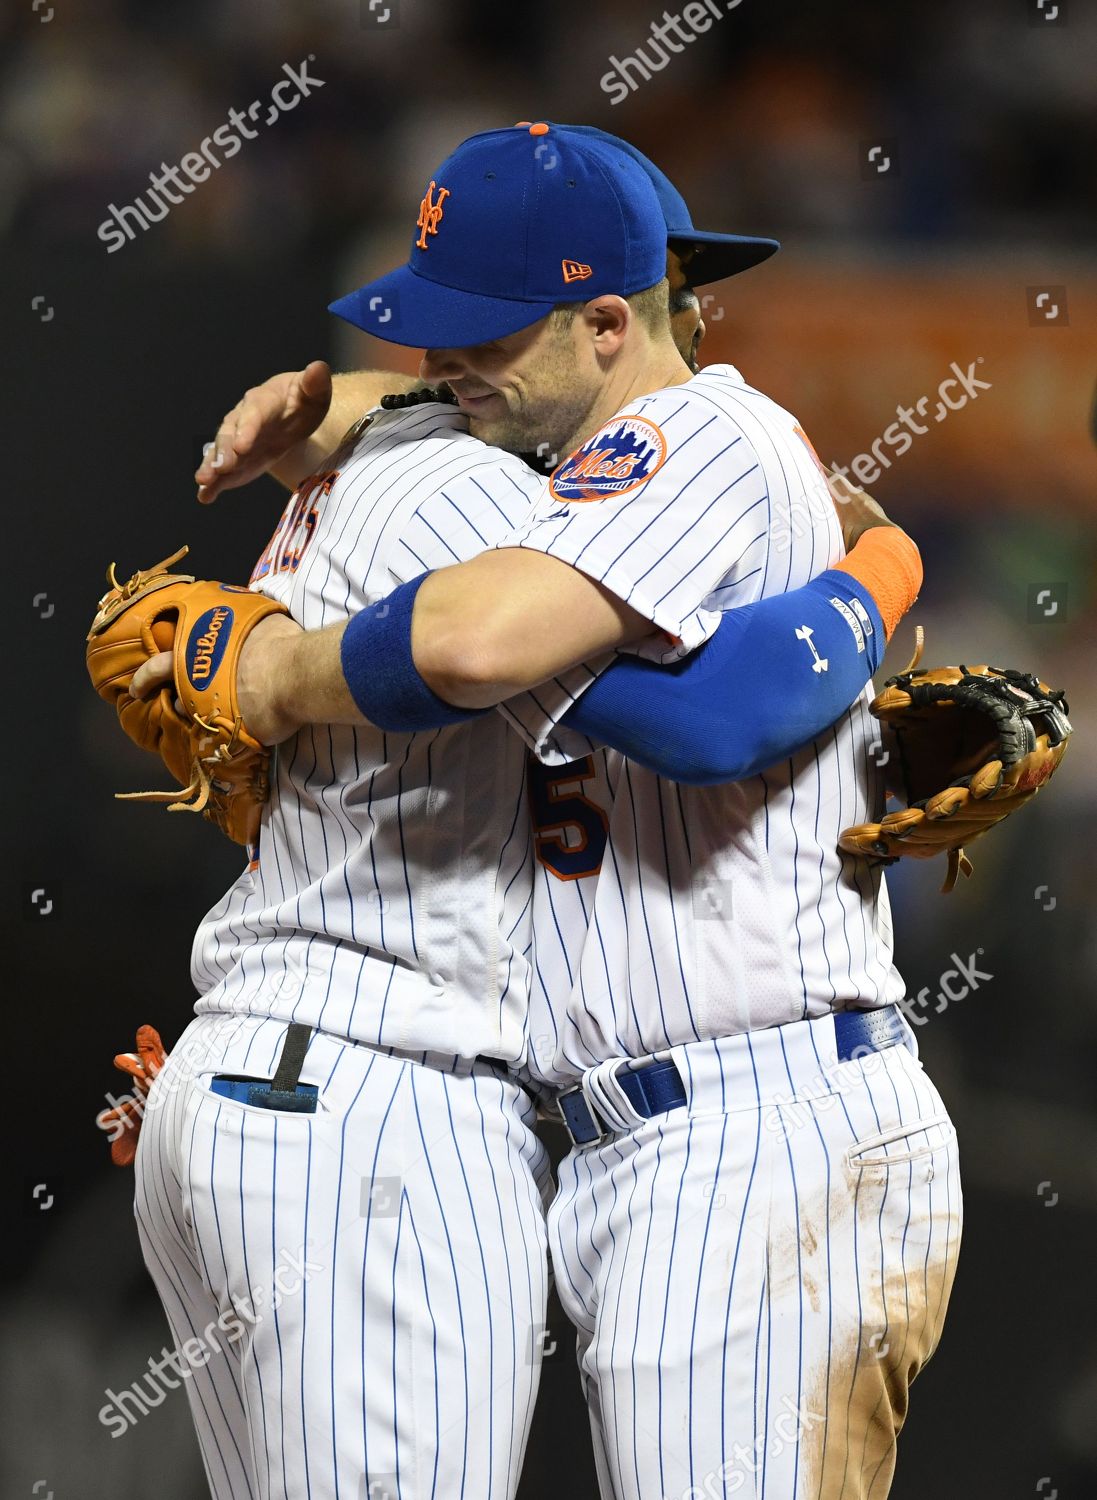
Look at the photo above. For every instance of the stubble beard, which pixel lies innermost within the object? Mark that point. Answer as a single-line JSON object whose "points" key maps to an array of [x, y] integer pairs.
{"points": [[547, 424], [543, 432]]}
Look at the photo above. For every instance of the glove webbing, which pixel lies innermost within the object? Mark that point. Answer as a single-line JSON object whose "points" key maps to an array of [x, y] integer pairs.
{"points": [[992, 696]]}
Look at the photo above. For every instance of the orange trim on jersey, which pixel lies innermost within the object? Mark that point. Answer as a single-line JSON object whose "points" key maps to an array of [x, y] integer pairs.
{"points": [[809, 445]]}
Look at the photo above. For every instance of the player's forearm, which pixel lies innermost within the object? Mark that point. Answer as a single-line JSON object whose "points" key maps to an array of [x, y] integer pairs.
{"points": [[398, 666], [330, 677], [303, 678], [352, 393], [510, 619], [444, 647], [774, 676]]}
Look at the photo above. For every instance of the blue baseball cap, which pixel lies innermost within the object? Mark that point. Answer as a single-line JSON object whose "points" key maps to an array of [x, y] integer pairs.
{"points": [[720, 254], [513, 223]]}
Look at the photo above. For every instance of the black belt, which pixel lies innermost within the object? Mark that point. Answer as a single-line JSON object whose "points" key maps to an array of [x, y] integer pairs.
{"points": [[658, 1087]]}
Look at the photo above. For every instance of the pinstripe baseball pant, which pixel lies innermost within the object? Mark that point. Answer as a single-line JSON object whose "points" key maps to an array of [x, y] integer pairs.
{"points": [[758, 1276], [358, 1295]]}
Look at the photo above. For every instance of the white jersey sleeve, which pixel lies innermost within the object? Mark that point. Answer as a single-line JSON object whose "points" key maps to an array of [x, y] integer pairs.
{"points": [[673, 506]]}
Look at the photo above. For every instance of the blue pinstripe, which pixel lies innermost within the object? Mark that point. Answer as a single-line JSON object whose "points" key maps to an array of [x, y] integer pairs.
{"points": [[640, 1287], [456, 1280], [618, 1424], [484, 1269], [799, 1279], [365, 1252]]}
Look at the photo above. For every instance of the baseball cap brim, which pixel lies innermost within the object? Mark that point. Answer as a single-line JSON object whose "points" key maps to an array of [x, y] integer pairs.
{"points": [[720, 255], [405, 308]]}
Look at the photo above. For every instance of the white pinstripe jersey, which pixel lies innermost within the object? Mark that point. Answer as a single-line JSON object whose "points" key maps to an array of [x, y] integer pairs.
{"points": [[379, 939], [390, 899], [665, 913]]}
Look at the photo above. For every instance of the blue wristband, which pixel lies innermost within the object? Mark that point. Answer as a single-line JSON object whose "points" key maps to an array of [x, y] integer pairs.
{"points": [[381, 673]]}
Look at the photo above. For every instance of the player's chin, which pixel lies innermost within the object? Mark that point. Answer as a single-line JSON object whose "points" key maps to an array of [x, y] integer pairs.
{"points": [[499, 432]]}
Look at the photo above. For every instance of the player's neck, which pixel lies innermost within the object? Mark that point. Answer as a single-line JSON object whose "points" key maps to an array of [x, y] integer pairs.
{"points": [[658, 365]]}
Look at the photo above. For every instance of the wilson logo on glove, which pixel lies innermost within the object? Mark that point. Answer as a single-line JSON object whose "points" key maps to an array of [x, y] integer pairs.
{"points": [[207, 644]]}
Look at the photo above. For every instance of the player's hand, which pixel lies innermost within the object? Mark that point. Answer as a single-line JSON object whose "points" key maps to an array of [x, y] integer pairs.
{"points": [[156, 673], [271, 419], [857, 510], [260, 675]]}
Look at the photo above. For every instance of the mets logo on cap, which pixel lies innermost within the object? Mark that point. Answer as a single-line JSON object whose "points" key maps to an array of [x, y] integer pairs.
{"points": [[621, 456]]}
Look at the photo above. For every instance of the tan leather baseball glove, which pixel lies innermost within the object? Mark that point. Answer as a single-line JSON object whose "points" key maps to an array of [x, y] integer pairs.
{"points": [[223, 771], [966, 747]]}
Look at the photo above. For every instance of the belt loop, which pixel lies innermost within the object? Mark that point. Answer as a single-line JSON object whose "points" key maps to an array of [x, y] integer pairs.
{"points": [[294, 1046], [912, 1036], [282, 1093], [606, 1098]]}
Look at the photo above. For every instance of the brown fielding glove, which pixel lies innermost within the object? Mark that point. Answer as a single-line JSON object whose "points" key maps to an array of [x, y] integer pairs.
{"points": [[224, 772], [123, 1122], [966, 747]]}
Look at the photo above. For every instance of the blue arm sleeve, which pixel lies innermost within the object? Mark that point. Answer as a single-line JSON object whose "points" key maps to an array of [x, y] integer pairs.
{"points": [[773, 676]]}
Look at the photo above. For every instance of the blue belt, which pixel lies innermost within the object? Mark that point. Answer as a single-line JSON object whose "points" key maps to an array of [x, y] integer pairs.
{"points": [[658, 1087]]}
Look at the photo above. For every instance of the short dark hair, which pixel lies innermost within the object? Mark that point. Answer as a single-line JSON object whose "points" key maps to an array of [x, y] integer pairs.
{"points": [[651, 306]]}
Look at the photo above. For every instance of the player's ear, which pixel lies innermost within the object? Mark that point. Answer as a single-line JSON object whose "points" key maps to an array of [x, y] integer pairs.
{"points": [[606, 321]]}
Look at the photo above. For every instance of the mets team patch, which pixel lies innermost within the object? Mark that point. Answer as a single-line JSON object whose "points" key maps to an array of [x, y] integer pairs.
{"points": [[621, 456]]}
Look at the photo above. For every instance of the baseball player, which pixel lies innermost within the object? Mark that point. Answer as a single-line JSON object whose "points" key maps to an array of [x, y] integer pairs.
{"points": [[738, 1147], [371, 962], [233, 947], [371, 965]]}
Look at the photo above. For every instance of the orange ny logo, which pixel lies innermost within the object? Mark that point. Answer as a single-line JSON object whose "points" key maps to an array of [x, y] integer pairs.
{"points": [[430, 213]]}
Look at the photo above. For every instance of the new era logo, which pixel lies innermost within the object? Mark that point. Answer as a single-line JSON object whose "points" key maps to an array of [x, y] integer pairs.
{"points": [[575, 270]]}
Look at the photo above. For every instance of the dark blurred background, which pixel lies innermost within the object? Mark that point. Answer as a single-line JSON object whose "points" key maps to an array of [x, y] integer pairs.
{"points": [[930, 171]]}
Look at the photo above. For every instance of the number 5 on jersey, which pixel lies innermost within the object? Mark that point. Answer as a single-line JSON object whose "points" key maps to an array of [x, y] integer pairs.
{"points": [[569, 829]]}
